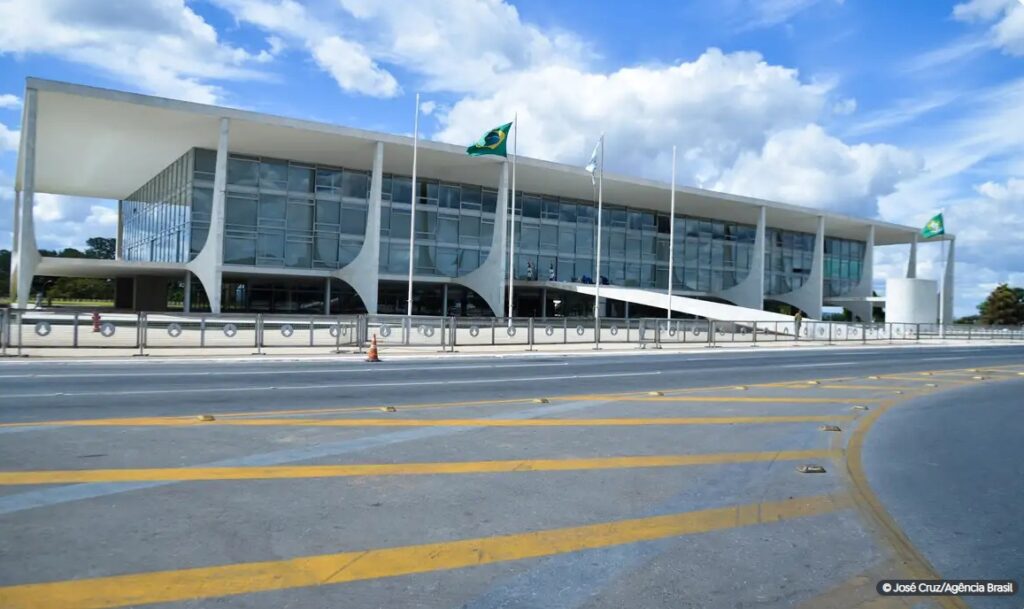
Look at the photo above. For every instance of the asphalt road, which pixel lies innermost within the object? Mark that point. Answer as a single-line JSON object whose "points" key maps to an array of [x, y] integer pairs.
{"points": [[649, 480], [957, 487]]}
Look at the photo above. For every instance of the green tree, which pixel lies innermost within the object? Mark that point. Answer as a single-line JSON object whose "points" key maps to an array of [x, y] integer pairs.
{"points": [[101, 247], [1003, 307]]}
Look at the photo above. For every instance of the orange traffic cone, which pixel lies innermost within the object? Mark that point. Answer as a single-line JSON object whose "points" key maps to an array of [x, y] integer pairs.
{"points": [[372, 355]]}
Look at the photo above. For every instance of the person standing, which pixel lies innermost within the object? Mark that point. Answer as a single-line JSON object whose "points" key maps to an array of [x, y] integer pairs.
{"points": [[551, 272], [797, 321]]}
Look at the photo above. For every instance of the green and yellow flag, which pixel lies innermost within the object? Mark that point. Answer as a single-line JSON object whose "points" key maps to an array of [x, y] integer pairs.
{"points": [[493, 142], [934, 227]]}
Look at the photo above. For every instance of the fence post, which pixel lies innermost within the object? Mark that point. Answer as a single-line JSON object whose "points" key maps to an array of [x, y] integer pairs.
{"points": [[74, 331], [968, 334], [202, 331], [5, 331], [597, 333], [890, 332], [140, 332], [361, 330], [530, 331], [494, 322], [258, 339], [863, 334], [711, 333], [21, 322], [311, 325], [565, 330], [917, 333]]}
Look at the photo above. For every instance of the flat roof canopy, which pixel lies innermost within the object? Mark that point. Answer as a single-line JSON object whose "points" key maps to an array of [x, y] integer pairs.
{"points": [[101, 143]]}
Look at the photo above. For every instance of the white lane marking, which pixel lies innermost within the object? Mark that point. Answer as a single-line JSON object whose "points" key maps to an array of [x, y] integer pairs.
{"points": [[265, 372], [816, 365], [940, 359], [336, 386]]}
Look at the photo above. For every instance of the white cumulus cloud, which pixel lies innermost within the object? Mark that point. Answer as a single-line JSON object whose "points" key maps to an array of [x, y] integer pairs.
{"points": [[9, 101], [715, 108], [160, 46], [808, 167], [353, 69], [10, 140], [1005, 16]]}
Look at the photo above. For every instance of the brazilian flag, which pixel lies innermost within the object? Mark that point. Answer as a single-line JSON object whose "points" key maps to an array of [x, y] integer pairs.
{"points": [[934, 227], [493, 142]]}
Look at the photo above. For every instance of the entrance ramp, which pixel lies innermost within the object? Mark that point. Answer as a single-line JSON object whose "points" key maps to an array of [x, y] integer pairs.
{"points": [[680, 304]]}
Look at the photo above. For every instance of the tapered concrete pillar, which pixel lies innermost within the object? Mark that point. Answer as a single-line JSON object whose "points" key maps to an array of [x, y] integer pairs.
{"points": [[208, 263], [809, 297], [25, 261], [912, 261], [750, 291], [863, 311], [947, 284], [488, 280], [363, 273]]}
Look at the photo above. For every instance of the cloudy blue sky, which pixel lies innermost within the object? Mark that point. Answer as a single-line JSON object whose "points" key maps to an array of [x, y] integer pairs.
{"points": [[882, 109]]}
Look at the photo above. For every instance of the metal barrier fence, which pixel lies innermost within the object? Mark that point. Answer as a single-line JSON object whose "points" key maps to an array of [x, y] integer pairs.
{"points": [[63, 328]]}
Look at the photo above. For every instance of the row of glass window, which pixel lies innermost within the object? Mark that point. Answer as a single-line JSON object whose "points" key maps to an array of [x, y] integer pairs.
{"points": [[285, 213], [155, 218]]}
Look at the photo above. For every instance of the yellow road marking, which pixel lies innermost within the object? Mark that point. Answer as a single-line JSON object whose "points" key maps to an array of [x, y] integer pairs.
{"points": [[423, 406], [394, 422], [857, 387], [753, 400], [307, 571], [915, 564], [397, 469], [923, 379]]}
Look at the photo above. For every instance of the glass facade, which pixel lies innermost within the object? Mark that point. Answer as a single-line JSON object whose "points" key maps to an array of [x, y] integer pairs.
{"points": [[789, 256], [155, 218], [282, 213], [555, 239], [844, 262], [296, 215], [454, 226]]}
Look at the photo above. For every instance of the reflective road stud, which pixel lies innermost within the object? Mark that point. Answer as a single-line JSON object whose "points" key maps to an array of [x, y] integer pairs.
{"points": [[810, 468]]}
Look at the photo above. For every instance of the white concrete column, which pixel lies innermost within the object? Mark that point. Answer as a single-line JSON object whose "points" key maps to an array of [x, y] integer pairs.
{"points": [[750, 291], [23, 265], [11, 286], [912, 262], [208, 263], [947, 284], [488, 280], [865, 287], [363, 273], [17, 218], [810, 296]]}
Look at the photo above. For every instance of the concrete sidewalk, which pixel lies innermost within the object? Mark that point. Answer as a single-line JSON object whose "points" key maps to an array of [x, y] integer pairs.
{"points": [[424, 352]]}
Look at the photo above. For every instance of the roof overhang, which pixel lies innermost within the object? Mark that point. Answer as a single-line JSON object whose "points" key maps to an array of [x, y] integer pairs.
{"points": [[101, 143]]}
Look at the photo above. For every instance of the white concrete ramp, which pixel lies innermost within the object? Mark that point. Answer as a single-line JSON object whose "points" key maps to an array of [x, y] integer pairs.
{"points": [[680, 304]]}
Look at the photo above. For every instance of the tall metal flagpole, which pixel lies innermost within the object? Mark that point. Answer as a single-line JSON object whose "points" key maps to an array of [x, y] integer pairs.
{"points": [[512, 222], [942, 293], [600, 199], [671, 231], [412, 216]]}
